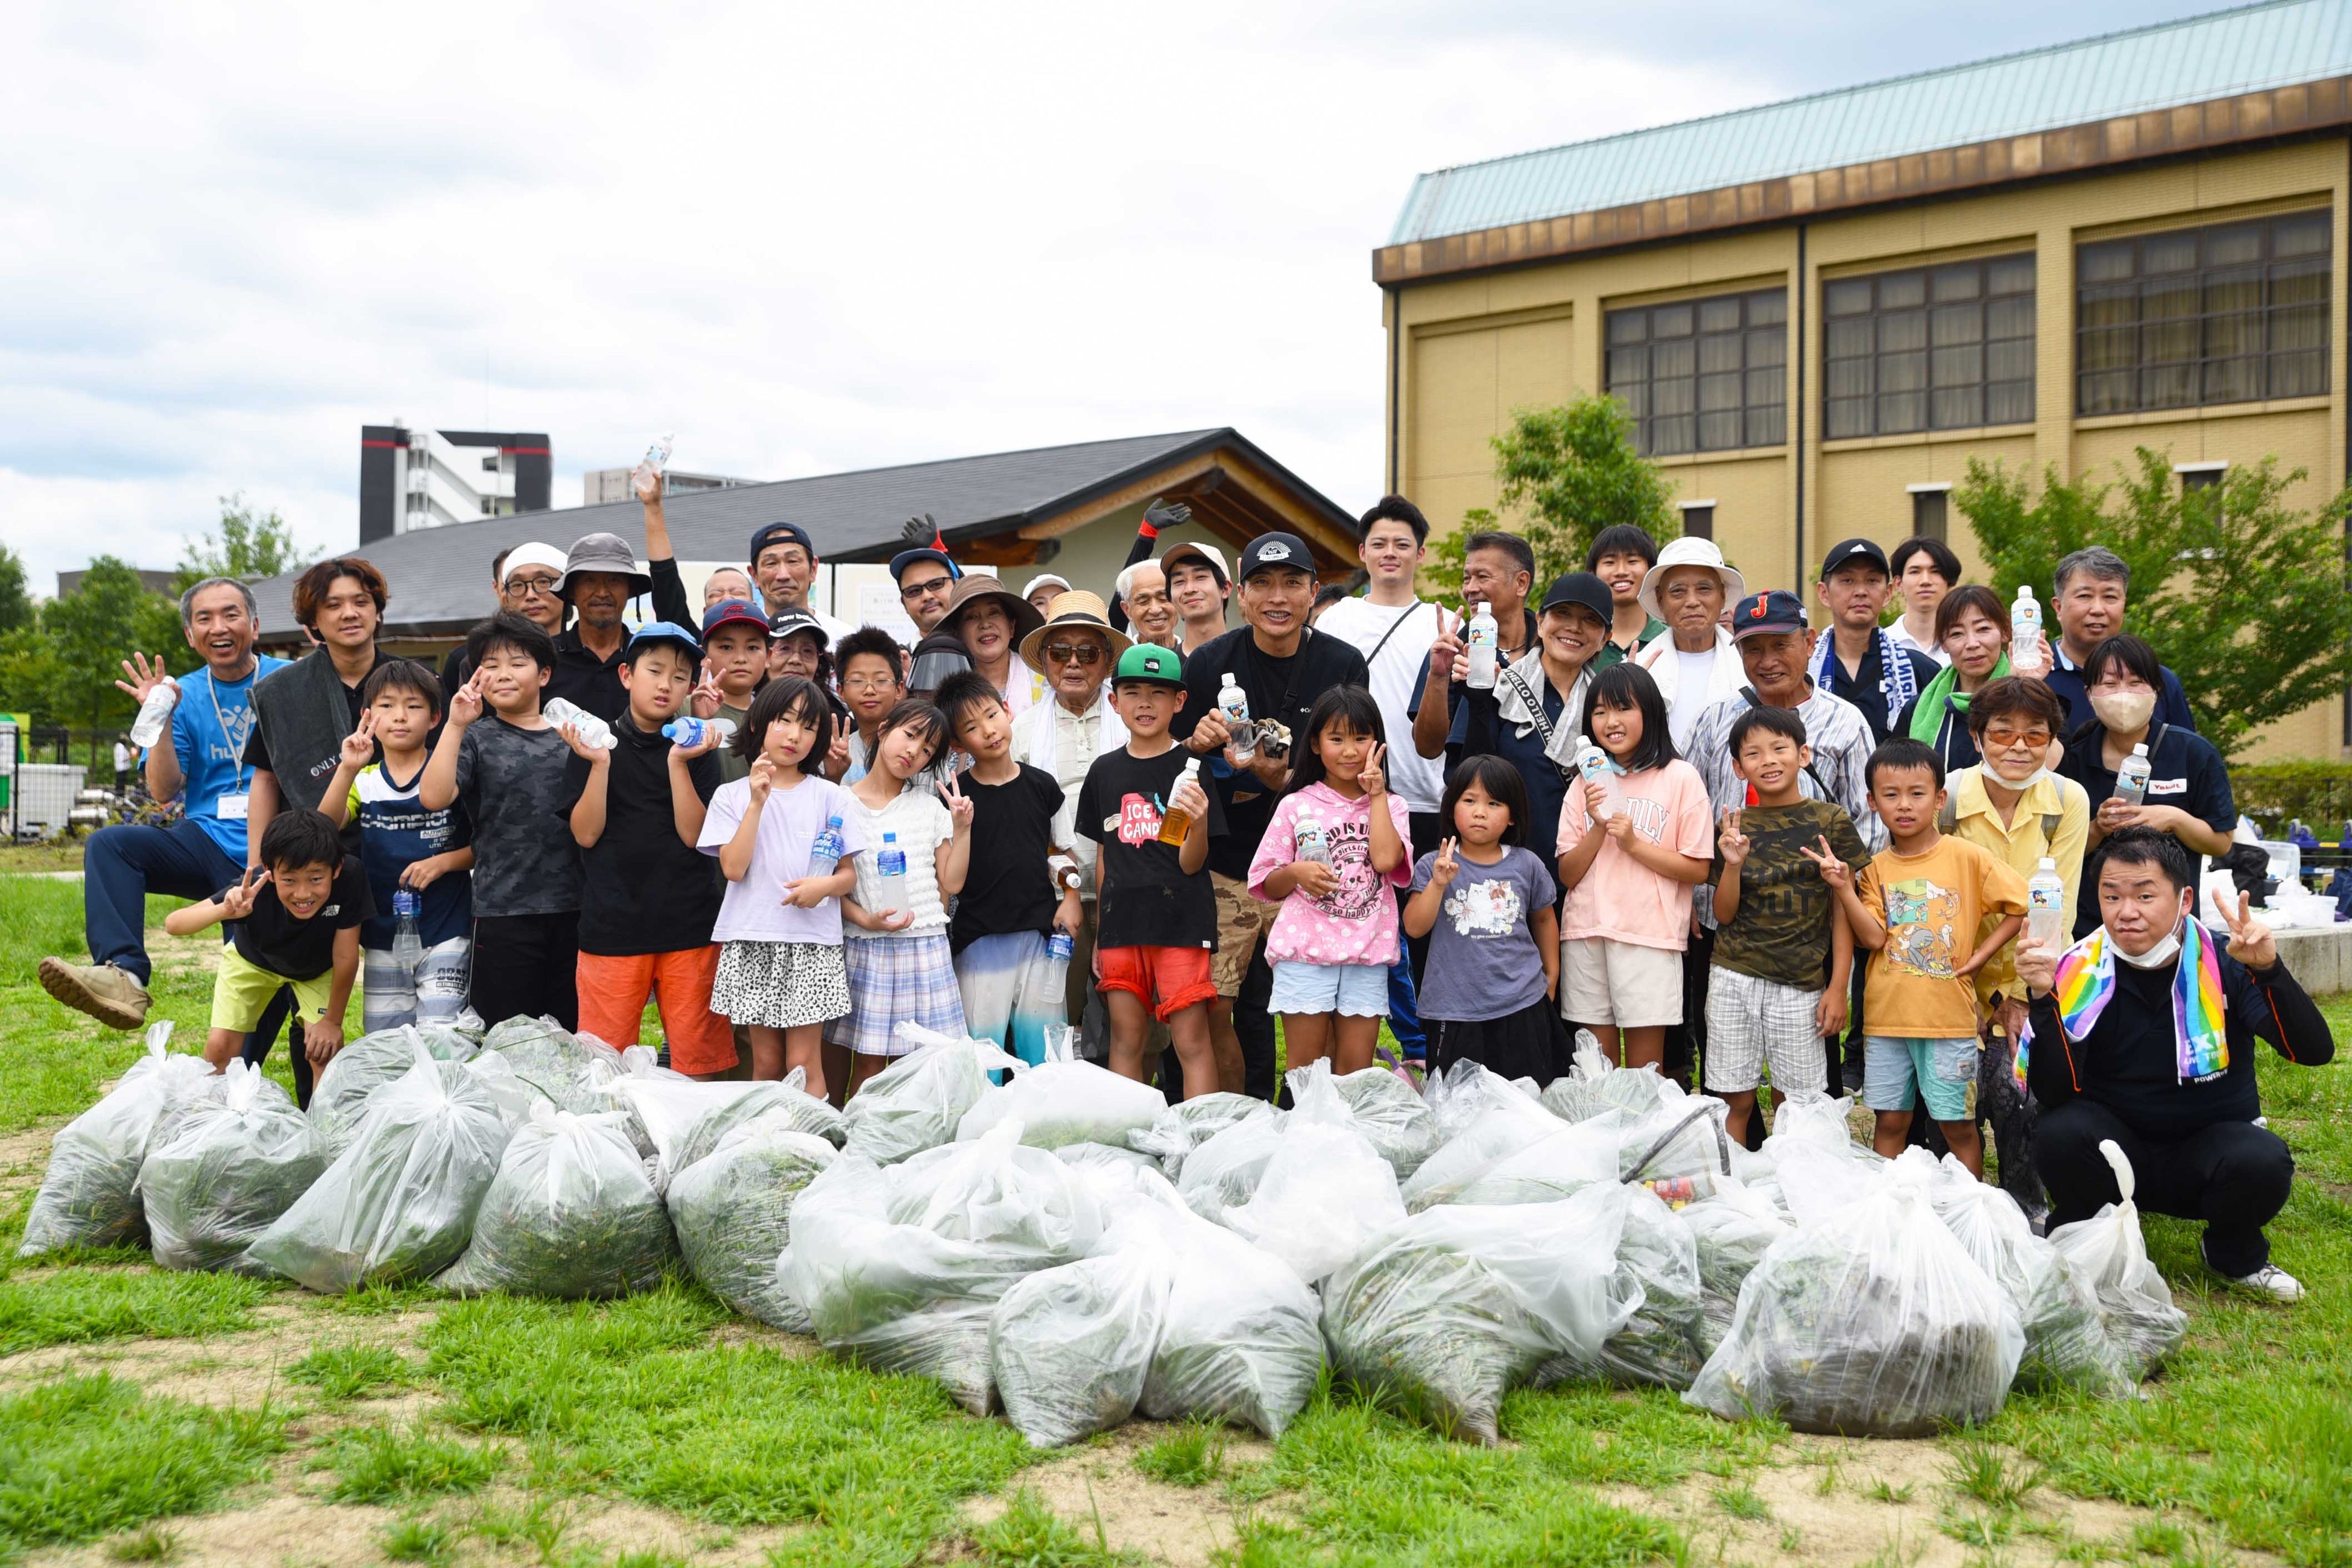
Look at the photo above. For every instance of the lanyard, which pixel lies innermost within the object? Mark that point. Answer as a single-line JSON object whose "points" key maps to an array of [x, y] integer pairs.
{"points": [[236, 743]]}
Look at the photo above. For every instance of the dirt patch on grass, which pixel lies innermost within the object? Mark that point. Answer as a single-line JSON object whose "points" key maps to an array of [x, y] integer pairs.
{"points": [[277, 1530], [24, 1157], [197, 954], [1181, 1526]]}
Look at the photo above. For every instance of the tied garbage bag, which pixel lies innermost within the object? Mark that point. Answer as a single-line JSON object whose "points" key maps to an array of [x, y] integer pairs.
{"points": [[1070, 1346], [1656, 1267], [90, 1194], [1066, 1100], [667, 1106], [1678, 1151], [1593, 1085], [1179, 1129], [1446, 1314], [918, 1100], [1482, 1120], [2065, 1344], [2109, 1253], [1732, 1229], [1239, 1342], [1880, 1325], [568, 1069], [399, 1203], [788, 1099], [340, 1097], [732, 1210], [570, 1214], [1224, 1171], [1563, 1162], [226, 1171], [899, 1267], [1325, 1192], [1389, 1112]]}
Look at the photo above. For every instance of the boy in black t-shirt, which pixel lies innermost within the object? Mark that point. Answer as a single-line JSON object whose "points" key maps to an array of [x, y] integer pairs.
{"points": [[648, 897], [295, 923], [1157, 924], [1013, 900]]}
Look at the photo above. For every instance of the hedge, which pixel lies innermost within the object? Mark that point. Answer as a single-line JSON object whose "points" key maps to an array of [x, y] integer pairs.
{"points": [[2274, 793]]}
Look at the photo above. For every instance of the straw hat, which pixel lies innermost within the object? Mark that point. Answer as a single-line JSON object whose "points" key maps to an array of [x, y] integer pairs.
{"points": [[1075, 608]]}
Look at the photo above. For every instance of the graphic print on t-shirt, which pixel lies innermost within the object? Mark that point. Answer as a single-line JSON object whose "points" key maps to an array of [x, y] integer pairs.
{"points": [[1919, 917], [1138, 821], [1484, 910], [1350, 844]]}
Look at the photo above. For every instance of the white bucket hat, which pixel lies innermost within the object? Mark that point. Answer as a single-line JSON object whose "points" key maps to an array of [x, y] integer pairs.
{"points": [[1689, 552]]}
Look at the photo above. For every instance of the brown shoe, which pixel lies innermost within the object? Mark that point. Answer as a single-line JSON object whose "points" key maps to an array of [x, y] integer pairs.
{"points": [[105, 992]]}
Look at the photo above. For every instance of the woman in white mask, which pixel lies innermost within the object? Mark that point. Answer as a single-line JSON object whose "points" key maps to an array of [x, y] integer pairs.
{"points": [[2188, 792]]}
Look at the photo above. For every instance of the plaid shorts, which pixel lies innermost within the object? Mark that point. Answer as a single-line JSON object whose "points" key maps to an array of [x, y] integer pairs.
{"points": [[895, 979], [1752, 1022]]}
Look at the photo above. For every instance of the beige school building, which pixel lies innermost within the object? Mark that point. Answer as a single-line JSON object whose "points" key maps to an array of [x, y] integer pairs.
{"points": [[1818, 312]]}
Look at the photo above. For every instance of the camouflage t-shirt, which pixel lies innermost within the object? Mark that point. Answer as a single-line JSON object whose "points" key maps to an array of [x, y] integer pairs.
{"points": [[1781, 933]]}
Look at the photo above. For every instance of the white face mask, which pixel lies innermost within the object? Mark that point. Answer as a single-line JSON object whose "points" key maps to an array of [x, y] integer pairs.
{"points": [[2127, 711], [2027, 783], [2155, 957]]}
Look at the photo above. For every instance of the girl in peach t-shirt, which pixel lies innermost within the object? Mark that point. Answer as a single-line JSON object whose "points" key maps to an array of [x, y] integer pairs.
{"points": [[1626, 917]]}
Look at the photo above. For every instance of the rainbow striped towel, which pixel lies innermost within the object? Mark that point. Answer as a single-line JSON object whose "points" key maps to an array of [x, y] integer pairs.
{"points": [[2087, 982]]}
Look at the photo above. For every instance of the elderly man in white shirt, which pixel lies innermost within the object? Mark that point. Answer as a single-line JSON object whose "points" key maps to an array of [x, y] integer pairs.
{"points": [[1075, 651]]}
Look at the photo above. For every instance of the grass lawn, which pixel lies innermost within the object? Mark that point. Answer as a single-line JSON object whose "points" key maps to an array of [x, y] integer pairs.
{"points": [[149, 1417]]}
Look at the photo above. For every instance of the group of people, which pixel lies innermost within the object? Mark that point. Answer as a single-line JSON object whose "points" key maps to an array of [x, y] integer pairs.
{"points": [[1659, 806]]}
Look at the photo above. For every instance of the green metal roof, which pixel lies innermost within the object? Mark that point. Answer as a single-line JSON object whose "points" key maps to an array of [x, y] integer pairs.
{"points": [[2249, 49]]}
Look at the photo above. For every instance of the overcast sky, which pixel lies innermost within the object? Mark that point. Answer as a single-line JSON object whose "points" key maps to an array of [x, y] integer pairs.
{"points": [[804, 239]]}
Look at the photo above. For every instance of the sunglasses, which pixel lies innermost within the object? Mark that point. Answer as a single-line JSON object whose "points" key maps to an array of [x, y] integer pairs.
{"points": [[917, 590], [2004, 739], [1074, 653]]}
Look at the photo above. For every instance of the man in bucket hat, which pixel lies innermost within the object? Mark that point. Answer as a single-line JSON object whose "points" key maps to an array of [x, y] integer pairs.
{"points": [[600, 577]]}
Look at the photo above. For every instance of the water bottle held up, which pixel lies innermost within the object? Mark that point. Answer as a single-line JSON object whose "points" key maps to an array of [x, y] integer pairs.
{"points": [[594, 733], [1174, 822], [1480, 644], [1234, 703], [1592, 765], [2045, 904], [689, 730], [155, 713], [825, 850], [2131, 778], [891, 862], [655, 461]]}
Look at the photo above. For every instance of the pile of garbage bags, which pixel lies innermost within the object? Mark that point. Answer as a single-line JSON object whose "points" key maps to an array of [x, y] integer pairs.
{"points": [[1062, 1244]]}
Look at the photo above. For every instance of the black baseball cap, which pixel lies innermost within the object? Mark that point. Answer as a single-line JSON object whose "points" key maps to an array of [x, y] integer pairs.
{"points": [[793, 621], [906, 558], [1846, 551], [784, 534], [1761, 613], [1270, 552], [1583, 589]]}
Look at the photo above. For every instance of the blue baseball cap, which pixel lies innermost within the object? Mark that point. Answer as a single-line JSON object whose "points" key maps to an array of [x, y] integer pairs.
{"points": [[732, 612], [906, 558], [667, 631]]}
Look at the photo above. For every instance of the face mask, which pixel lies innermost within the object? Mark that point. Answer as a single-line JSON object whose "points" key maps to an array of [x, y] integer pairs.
{"points": [[2027, 782], [2126, 710], [2155, 957]]}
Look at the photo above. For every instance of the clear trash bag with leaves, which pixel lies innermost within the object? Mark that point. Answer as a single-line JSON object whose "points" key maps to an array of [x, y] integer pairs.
{"points": [[2109, 1251], [570, 1214], [570, 1069], [1223, 1169], [1070, 1346], [1325, 1192], [1563, 1162], [339, 1097], [226, 1171], [920, 1100], [1183, 1126], [1066, 1100], [90, 1194], [1732, 1229], [788, 1099], [1657, 1267], [398, 1203], [1594, 1084], [1482, 1120], [1241, 1342], [732, 1210], [1388, 1110]]}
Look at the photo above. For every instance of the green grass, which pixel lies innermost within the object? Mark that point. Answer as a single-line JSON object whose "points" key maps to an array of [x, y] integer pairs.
{"points": [[1029, 1535], [77, 1306], [1191, 1455], [85, 1457], [349, 1369], [383, 1464], [148, 1544], [419, 1541]]}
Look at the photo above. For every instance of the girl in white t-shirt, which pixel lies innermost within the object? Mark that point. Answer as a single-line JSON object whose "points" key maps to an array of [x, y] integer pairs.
{"points": [[901, 968]]}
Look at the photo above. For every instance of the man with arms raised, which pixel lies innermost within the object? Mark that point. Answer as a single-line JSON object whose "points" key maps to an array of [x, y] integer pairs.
{"points": [[204, 764]]}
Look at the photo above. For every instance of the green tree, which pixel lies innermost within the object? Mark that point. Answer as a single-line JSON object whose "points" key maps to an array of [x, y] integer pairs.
{"points": [[15, 599], [249, 546], [1567, 473], [2243, 596], [88, 634]]}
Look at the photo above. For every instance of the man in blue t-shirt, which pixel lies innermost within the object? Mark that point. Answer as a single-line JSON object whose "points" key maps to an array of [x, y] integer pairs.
{"points": [[202, 853]]}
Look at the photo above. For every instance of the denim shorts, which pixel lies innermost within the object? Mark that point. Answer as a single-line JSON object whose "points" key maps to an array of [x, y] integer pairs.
{"points": [[1944, 1070], [1351, 990]]}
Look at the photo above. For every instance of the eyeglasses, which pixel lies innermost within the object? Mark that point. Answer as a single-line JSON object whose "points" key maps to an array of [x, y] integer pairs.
{"points": [[1075, 653], [917, 590], [867, 682], [524, 588], [2007, 740]]}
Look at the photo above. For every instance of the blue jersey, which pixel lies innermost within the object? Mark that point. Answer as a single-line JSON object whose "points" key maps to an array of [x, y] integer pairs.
{"points": [[396, 832], [209, 729]]}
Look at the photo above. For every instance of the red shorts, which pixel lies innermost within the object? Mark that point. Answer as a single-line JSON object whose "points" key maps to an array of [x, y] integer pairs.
{"points": [[613, 991], [1178, 975]]}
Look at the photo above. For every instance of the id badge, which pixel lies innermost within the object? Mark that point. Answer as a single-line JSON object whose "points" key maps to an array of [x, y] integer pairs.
{"points": [[233, 807]]}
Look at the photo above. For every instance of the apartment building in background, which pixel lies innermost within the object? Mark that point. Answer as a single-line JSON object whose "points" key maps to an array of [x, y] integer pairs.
{"points": [[411, 480]]}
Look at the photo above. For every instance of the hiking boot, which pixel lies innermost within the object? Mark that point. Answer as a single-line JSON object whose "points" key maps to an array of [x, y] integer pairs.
{"points": [[2269, 1282], [104, 991]]}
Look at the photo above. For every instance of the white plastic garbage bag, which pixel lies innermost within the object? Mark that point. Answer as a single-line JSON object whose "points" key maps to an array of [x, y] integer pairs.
{"points": [[226, 1171], [1680, 1149], [570, 1214], [669, 1106], [788, 1099], [570, 1069], [1879, 1325], [1241, 1342], [1325, 1192], [1448, 1312], [900, 1266], [1657, 1267], [920, 1100], [1593, 1085], [1065, 1100], [2110, 1254], [732, 1210], [1388, 1110], [1223, 1169], [339, 1099], [1463, 1095], [1183, 1126], [1561, 1163], [90, 1196], [1732, 1230], [1483, 1121], [399, 1203], [1070, 1346]]}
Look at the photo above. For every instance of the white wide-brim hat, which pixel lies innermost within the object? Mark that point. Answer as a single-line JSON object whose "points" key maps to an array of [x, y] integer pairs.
{"points": [[1689, 552]]}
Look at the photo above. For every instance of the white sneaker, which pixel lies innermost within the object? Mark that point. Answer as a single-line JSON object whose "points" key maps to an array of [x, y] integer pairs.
{"points": [[2270, 1280]]}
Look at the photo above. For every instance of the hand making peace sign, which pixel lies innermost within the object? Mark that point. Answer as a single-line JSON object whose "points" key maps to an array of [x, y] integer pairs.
{"points": [[1834, 872], [1371, 780], [959, 803], [1733, 844], [2251, 942]]}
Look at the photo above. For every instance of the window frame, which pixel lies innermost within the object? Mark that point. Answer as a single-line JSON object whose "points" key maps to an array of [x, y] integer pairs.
{"points": [[1963, 311], [1762, 421]]}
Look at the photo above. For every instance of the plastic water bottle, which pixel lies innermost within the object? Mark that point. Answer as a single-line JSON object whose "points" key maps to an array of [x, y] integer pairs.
{"points": [[1234, 703], [655, 462], [2131, 779], [2045, 906], [1481, 644], [1593, 765], [891, 862], [1059, 947], [1173, 822], [593, 732], [824, 851], [689, 730], [1313, 843], [155, 713], [407, 941]]}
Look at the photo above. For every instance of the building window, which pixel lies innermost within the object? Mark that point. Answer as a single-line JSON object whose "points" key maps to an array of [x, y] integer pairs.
{"points": [[2195, 477], [1698, 518], [1704, 375], [1932, 348], [2232, 314], [1931, 512]]}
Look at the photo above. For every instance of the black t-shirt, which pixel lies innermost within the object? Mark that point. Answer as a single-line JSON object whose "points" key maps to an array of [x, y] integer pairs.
{"points": [[1146, 899], [270, 938], [642, 888], [1007, 886], [1282, 690]]}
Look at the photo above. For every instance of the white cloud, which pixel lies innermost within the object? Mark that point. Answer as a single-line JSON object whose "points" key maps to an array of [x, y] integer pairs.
{"points": [[803, 238]]}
